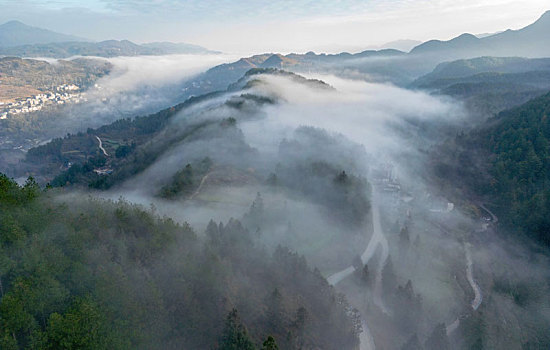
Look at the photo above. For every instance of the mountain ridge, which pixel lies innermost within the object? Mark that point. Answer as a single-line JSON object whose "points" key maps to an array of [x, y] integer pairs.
{"points": [[21, 40], [15, 33], [527, 41]]}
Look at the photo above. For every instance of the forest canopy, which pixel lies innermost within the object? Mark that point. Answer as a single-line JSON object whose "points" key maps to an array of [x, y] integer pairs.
{"points": [[97, 274]]}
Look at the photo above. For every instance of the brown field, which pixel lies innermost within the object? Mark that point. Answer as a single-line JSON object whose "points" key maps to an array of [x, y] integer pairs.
{"points": [[9, 93]]}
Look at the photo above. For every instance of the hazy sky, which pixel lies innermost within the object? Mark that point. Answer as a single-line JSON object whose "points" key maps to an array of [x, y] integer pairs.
{"points": [[252, 26]]}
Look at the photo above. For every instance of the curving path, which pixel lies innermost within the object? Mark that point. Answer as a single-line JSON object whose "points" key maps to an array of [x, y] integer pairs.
{"points": [[493, 216], [378, 239], [101, 146], [205, 177], [478, 297], [383, 242]]}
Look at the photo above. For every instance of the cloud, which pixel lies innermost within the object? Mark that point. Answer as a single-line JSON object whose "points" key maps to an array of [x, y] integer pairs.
{"points": [[261, 25]]}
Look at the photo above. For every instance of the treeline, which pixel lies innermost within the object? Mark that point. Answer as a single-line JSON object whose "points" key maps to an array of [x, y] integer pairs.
{"points": [[506, 161], [94, 274], [520, 141], [128, 134]]}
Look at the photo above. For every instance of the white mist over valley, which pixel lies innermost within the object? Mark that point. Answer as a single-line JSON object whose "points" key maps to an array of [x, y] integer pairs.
{"points": [[164, 195]]}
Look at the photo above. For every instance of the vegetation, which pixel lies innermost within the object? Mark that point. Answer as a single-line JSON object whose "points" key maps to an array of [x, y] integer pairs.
{"points": [[489, 85], [507, 161], [186, 180], [520, 141], [93, 274]]}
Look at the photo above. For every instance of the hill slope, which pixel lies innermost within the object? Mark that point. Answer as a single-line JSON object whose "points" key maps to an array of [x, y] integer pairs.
{"points": [[506, 161], [489, 84], [97, 274]]}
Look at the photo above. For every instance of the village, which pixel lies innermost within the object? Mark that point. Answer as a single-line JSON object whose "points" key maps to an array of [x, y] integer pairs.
{"points": [[62, 94]]}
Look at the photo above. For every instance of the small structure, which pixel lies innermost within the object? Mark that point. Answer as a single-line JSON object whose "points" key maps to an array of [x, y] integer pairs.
{"points": [[103, 171]]}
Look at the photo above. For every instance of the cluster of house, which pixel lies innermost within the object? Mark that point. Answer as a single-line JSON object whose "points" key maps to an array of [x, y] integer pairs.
{"points": [[62, 94]]}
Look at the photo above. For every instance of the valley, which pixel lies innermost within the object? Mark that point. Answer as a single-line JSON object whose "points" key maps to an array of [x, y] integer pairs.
{"points": [[166, 196]]}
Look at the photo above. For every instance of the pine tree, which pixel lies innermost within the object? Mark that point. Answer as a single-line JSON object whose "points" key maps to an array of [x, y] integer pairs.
{"points": [[235, 335], [270, 344]]}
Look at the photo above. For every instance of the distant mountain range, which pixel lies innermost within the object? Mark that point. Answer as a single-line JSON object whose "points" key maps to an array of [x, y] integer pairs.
{"points": [[404, 45], [531, 41], [21, 40], [448, 71], [15, 33], [489, 84]]}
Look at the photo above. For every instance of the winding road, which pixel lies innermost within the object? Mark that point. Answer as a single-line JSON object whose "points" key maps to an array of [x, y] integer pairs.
{"points": [[493, 216], [478, 297], [101, 146], [378, 239]]}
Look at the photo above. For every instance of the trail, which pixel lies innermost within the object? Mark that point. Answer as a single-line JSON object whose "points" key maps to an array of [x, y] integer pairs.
{"points": [[366, 341], [478, 298], [378, 239], [196, 193], [383, 242], [101, 146], [493, 216]]}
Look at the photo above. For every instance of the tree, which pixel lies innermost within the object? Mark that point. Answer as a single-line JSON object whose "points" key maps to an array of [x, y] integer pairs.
{"points": [[82, 327], [257, 207], [270, 344], [275, 312], [342, 178], [235, 336], [213, 233]]}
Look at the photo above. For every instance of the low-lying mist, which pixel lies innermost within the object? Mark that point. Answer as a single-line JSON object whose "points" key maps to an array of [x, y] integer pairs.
{"points": [[137, 85], [307, 166]]}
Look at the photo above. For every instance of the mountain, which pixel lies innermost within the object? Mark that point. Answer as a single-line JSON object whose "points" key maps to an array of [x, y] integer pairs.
{"points": [[489, 84], [219, 77], [451, 48], [20, 40], [467, 67], [15, 33], [108, 48], [506, 162], [278, 61], [405, 45], [529, 41], [143, 129]]}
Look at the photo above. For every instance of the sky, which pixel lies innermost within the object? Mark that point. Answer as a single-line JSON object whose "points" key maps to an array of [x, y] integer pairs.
{"points": [[254, 26]]}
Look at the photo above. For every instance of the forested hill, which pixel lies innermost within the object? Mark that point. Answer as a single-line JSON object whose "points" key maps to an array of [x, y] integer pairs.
{"points": [[520, 142], [507, 162], [489, 84], [92, 274]]}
